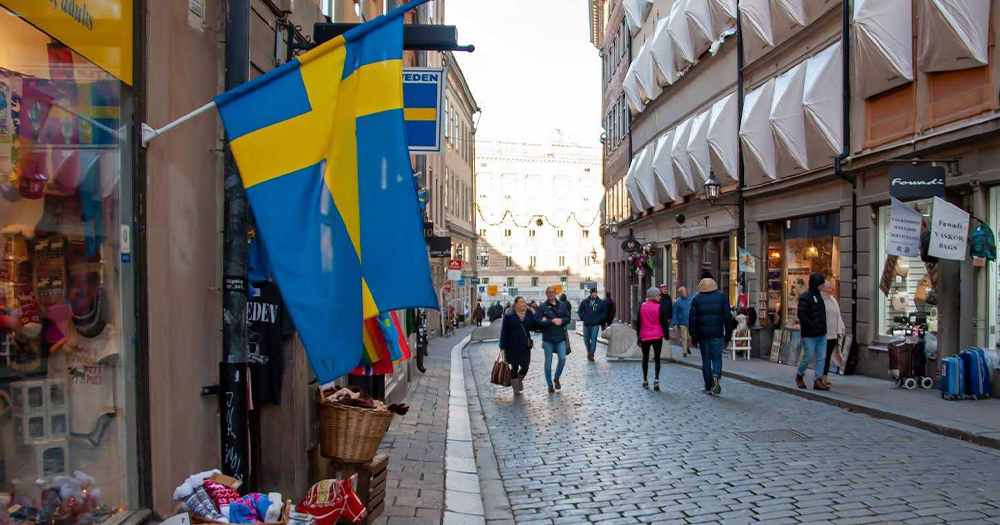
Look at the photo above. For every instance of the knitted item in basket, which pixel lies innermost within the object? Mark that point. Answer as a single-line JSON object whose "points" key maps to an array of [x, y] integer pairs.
{"points": [[332, 499]]}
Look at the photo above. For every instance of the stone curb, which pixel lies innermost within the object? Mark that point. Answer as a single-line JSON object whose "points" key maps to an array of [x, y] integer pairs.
{"points": [[463, 500]]}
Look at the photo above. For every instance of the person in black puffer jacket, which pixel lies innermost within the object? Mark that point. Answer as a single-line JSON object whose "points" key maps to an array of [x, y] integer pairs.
{"points": [[711, 324], [812, 323]]}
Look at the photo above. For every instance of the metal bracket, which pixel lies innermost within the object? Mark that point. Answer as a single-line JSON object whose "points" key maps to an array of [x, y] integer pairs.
{"points": [[210, 390]]}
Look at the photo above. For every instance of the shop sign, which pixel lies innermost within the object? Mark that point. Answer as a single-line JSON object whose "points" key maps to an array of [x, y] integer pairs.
{"points": [[100, 31], [482, 289], [747, 263], [461, 282], [475, 281], [558, 288], [903, 235], [631, 245], [916, 182], [439, 246], [949, 231], [455, 264], [493, 289], [423, 91], [428, 230]]}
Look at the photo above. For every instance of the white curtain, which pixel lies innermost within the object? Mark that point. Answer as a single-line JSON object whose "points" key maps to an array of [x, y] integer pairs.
{"points": [[682, 166], [755, 128], [663, 169], [722, 136], [823, 99], [756, 14], [644, 176], [883, 34], [953, 34], [662, 49], [788, 119], [699, 154]]}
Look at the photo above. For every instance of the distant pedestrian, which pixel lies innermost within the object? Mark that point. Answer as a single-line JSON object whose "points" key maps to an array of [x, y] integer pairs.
{"points": [[682, 309], [710, 325], [479, 314], [592, 312], [812, 327], [564, 300], [609, 304], [666, 314], [496, 311], [650, 335], [515, 341], [553, 317], [533, 305], [835, 328]]}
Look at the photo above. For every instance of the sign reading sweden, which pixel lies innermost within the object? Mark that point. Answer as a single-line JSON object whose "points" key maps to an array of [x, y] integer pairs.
{"points": [[423, 91]]}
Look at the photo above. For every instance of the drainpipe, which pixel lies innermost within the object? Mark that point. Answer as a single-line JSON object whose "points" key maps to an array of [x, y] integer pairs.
{"points": [[845, 47], [741, 234]]}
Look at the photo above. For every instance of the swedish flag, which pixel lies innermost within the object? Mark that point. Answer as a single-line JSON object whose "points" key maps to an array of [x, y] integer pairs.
{"points": [[321, 147]]}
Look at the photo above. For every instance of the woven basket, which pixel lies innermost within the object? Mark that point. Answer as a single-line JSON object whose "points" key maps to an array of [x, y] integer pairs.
{"points": [[351, 434], [284, 517]]}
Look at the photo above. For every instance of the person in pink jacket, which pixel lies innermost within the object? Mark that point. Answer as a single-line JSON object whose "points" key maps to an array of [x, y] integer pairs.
{"points": [[650, 335]]}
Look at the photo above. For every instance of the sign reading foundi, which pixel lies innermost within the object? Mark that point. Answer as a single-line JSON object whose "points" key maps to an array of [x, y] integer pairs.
{"points": [[100, 31], [423, 91]]}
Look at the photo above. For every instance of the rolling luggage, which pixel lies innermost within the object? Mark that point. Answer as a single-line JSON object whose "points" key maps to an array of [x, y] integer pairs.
{"points": [[952, 378], [977, 373], [900, 356]]}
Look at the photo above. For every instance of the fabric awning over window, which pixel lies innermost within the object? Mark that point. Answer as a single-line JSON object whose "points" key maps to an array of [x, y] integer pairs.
{"points": [[699, 154], [788, 119], [699, 15], [630, 85], [823, 99], [632, 185], [679, 156], [635, 13], [663, 169], [723, 15], [644, 176], [953, 34], [722, 136], [883, 32], [756, 14], [662, 49], [680, 36], [795, 10], [645, 71], [755, 128]]}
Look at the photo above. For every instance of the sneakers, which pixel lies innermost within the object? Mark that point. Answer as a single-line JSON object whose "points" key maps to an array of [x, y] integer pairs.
{"points": [[558, 385], [799, 382], [820, 385], [716, 385], [645, 384], [656, 386]]}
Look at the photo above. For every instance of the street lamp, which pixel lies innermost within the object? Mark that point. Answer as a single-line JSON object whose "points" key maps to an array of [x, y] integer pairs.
{"points": [[712, 188]]}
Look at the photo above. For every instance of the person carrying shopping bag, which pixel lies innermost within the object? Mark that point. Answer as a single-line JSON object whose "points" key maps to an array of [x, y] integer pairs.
{"points": [[516, 343]]}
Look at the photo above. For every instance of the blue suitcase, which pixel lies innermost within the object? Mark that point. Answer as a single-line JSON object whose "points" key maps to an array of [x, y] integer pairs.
{"points": [[977, 373], [952, 378]]}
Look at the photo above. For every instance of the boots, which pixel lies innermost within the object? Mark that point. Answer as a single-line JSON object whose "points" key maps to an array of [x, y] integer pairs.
{"points": [[820, 385], [799, 382]]}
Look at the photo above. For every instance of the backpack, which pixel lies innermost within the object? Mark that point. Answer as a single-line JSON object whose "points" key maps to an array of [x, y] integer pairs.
{"points": [[983, 243]]}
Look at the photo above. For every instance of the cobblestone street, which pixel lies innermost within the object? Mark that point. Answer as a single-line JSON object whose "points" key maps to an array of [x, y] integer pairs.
{"points": [[605, 450]]}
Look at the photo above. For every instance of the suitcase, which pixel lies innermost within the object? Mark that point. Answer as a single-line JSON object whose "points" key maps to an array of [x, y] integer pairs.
{"points": [[952, 378], [977, 373]]}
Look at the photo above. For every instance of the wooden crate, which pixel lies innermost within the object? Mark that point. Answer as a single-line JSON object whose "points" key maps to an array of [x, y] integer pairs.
{"points": [[371, 483]]}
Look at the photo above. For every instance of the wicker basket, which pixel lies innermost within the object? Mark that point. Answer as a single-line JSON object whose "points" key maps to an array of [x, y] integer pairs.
{"points": [[284, 517], [351, 434]]}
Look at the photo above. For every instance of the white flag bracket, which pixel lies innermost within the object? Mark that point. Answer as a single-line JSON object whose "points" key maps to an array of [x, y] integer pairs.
{"points": [[148, 133]]}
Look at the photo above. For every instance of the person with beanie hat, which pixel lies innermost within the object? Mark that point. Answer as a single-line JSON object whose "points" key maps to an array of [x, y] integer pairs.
{"points": [[650, 334], [812, 324], [592, 313], [710, 324]]}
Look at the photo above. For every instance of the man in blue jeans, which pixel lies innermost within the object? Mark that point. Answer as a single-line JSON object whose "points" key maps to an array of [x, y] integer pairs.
{"points": [[592, 311], [710, 324], [812, 323], [553, 318]]}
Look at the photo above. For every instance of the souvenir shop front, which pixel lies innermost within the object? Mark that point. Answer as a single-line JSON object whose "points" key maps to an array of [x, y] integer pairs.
{"points": [[66, 314]]}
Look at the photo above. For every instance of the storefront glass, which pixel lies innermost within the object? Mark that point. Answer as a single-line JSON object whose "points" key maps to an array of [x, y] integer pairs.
{"points": [[912, 300], [796, 248], [65, 369]]}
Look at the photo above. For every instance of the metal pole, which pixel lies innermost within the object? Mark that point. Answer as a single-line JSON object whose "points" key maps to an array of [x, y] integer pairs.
{"points": [[233, 384]]}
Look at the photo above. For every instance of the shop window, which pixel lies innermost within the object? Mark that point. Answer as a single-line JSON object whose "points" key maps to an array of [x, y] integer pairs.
{"points": [[66, 359], [912, 299], [796, 249], [890, 116], [955, 95]]}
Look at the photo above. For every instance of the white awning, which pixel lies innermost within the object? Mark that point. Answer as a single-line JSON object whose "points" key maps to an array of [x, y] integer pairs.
{"points": [[630, 85], [793, 9], [823, 98], [682, 166], [662, 49], [680, 36], [645, 72], [756, 14], [788, 119], [883, 32], [632, 185], [755, 128], [698, 151], [699, 15], [663, 169], [723, 15], [632, 19], [953, 34], [644, 176], [723, 124]]}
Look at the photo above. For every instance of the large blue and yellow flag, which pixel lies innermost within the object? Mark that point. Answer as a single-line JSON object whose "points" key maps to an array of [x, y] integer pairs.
{"points": [[321, 148]]}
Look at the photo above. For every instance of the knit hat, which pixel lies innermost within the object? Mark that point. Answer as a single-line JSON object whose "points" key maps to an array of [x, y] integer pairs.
{"points": [[652, 292], [707, 285]]}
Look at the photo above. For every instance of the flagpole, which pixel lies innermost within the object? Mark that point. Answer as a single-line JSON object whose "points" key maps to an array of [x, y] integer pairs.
{"points": [[148, 133]]}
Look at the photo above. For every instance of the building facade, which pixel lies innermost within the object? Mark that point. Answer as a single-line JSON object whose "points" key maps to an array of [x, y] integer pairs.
{"points": [[538, 207]]}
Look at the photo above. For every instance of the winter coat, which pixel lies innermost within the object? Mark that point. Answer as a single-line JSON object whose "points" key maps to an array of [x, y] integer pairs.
{"points": [[648, 325], [834, 321], [710, 316], [514, 336], [812, 309], [666, 313], [592, 311], [550, 332], [609, 305], [479, 314], [682, 311]]}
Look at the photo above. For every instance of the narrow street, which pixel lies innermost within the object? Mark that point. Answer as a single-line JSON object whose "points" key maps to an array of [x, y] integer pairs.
{"points": [[605, 450]]}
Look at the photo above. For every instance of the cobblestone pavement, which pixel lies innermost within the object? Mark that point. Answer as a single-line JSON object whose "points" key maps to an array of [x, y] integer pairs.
{"points": [[604, 450], [416, 443]]}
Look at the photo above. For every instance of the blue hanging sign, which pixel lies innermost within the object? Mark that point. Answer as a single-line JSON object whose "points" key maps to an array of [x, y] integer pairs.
{"points": [[423, 93]]}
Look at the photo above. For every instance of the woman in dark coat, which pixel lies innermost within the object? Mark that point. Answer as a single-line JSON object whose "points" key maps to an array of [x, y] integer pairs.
{"points": [[515, 334]]}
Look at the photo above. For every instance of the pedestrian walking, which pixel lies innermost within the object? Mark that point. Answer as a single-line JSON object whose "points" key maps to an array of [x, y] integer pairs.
{"points": [[516, 343], [592, 312], [479, 314], [666, 314], [553, 317], [609, 305], [812, 326], [835, 328], [682, 309], [496, 311], [650, 332], [710, 325]]}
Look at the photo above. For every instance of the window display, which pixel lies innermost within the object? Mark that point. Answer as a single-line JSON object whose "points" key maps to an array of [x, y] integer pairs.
{"points": [[907, 297], [797, 248], [62, 149]]}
